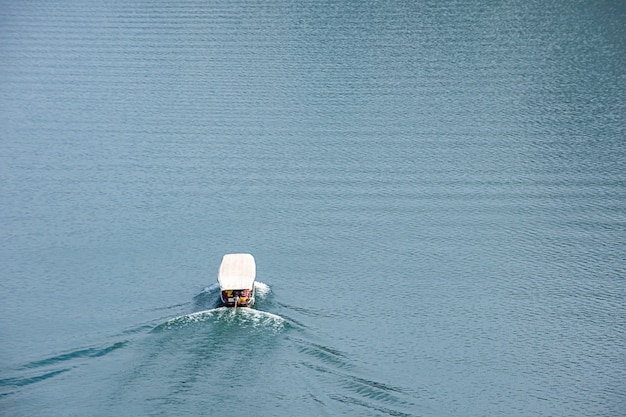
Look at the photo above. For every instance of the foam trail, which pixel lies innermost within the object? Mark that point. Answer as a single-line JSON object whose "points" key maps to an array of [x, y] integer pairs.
{"points": [[243, 317]]}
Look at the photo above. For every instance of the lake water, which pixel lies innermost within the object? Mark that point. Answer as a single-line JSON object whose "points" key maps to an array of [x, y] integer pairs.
{"points": [[434, 192]]}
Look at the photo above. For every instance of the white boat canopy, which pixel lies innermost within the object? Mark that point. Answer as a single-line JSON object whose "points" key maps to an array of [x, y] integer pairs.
{"points": [[237, 272]]}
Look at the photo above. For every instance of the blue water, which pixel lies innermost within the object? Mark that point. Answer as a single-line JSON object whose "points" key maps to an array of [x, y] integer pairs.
{"points": [[434, 192]]}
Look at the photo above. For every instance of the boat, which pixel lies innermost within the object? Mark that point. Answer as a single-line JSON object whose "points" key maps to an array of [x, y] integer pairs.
{"points": [[236, 278]]}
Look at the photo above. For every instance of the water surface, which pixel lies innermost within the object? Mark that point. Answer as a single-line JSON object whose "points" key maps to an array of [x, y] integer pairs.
{"points": [[433, 192]]}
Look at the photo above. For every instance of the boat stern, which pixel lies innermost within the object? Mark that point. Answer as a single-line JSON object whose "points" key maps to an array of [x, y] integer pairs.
{"points": [[237, 298]]}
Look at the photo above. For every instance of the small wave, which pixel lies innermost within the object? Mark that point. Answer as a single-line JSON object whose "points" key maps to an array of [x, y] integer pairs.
{"points": [[351, 400], [81, 353], [22, 381], [40, 370], [211, 288], [243, 317], [261, 289], [336, 367]]}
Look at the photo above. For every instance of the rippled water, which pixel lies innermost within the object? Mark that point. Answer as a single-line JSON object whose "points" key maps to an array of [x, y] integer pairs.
{"points": [[433, 192]]}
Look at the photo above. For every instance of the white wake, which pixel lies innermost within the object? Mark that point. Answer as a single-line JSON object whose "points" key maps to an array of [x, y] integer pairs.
{"points": [[242, 317]]}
